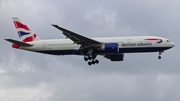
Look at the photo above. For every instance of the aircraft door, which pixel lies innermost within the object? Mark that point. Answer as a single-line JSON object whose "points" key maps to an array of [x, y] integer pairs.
{"points": [[120, 44], [44, 45]]}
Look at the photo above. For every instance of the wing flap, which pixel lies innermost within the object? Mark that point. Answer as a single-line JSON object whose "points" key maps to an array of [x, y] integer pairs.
{"points": [[18, 42]]}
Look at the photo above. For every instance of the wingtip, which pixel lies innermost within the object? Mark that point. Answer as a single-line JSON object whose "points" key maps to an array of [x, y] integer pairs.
{"points": [[54, 25], [7, 39]]}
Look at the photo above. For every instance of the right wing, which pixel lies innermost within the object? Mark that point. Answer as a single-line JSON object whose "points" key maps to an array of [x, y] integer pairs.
{"points": [[79, 39]]}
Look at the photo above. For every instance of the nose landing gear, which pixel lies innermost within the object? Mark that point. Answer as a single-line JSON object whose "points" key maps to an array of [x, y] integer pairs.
{"points": [[160, 53], [159, 57]]}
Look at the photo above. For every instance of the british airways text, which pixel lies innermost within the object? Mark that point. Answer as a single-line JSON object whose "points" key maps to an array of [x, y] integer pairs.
{"points": [[136, 44]]}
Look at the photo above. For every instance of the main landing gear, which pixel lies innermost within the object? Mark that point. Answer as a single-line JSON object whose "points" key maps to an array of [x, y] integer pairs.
{"points": [[92, 59], [160, 53]]}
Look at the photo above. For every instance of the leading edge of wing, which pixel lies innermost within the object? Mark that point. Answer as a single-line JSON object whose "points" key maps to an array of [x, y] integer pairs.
{"points": [[77, 38]]}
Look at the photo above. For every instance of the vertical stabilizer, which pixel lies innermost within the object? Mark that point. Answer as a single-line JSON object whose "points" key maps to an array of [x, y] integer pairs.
{"points": [[24, 32]]}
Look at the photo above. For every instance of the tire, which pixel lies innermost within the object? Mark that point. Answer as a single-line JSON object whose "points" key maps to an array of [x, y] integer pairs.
{"points": [[97, 61], [159, 57], [93, 62], [89, 63], [85, 59]]}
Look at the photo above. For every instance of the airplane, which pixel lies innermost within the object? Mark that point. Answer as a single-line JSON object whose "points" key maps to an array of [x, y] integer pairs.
{"points": [[112, 48]]}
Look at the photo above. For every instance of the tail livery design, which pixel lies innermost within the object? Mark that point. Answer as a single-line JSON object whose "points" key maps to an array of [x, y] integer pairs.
{"points": [[24, 32]]}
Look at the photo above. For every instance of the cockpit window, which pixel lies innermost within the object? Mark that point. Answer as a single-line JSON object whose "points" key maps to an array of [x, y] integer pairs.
{"points": [[168, 41]]}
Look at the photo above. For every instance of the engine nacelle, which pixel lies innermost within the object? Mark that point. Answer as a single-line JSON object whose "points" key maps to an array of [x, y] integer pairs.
{"points": [[116, 57], [110, 48]]}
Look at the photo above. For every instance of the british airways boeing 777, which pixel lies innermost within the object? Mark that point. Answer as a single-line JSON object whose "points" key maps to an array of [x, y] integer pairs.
{"points": [[112, 48]]}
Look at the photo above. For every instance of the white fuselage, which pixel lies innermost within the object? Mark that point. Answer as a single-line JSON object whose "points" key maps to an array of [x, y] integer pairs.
{"points": [[126, 45]]}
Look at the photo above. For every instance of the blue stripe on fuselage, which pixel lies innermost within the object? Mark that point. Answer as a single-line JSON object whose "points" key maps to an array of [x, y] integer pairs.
{"points": [[121, 50]]}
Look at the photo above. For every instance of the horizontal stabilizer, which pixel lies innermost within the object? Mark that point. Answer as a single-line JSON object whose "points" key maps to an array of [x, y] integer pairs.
{"points": [[18, 42]]}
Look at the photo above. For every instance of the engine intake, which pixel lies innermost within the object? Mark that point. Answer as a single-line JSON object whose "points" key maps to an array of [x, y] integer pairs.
{"points": [[110, 47]]}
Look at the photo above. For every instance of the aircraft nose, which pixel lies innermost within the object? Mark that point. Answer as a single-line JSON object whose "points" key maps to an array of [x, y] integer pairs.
{"points": [[172, 44]]}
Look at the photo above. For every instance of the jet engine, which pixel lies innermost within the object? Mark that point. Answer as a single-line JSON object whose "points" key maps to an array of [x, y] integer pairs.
{"points": [[116, 57], [110, 48]]}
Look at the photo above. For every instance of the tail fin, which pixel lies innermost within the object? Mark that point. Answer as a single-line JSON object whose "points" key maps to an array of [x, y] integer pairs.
{"points": [[24, 32]]}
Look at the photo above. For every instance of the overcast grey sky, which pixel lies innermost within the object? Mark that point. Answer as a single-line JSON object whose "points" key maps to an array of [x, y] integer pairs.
{"points": [[27, 76]]}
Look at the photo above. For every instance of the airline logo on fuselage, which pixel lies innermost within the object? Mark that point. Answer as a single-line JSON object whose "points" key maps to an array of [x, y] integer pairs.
{"points": [[155, 39]]}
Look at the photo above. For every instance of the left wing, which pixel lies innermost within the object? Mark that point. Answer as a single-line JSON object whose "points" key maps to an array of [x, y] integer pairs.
{"points": [[79, 39]]}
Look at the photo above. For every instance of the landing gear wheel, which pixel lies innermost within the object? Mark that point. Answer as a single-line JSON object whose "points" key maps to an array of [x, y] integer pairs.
{"points": [[93, 62], [160, 53], [89, 63], [89, 58], [85, 59], [159, 57], [97, 61]]}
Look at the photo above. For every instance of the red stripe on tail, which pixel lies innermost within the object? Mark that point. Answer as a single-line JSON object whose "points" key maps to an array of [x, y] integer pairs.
{"points": [[20, 25], [29, 39]]}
